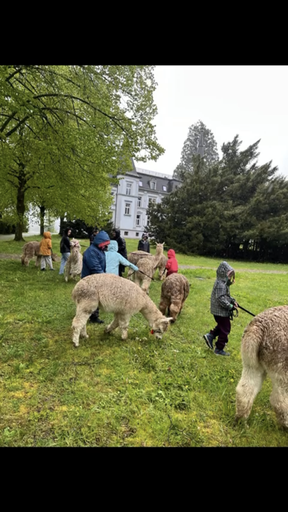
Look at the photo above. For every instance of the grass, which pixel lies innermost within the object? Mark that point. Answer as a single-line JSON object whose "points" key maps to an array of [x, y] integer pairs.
{"points": [[140, 392]]}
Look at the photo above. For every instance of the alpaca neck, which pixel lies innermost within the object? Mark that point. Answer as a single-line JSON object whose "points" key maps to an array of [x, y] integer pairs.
{"points": [[150, 311]]}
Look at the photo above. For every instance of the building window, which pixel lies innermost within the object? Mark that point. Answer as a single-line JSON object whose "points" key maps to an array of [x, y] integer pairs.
{"points": [[164, 188], [127, 208], [138, 218], [153, 185], [137, 234], [128, 189], [139, 201], [126, 233], [140, 183]]}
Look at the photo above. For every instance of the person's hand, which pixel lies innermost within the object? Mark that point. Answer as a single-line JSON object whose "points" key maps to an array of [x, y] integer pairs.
{"points": [[235, 304]]}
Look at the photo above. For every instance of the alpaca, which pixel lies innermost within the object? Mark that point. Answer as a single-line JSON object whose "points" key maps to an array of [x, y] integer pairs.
{"points": [[264, 350], [161, 267], [148, 267], [174, 291], [133, 257], [114, 295], [74, 263], [30, 250]]}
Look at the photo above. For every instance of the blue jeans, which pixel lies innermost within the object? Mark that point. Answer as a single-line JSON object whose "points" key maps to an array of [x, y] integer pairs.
{"points": [[65, 256]]}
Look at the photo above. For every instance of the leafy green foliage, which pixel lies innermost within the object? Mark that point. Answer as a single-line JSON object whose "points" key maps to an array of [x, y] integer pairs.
{"points": [[233, 208], [67, 132]]}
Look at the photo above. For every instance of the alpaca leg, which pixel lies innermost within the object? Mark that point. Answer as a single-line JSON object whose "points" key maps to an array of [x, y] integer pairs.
{"points": [[37, 262], [83, 332], [279, 400], [164, 304], [145, 285], [67, 272], [83, 312], [137, 280], [175, 309], [247, 389], [79, 325], [114, 324], [123, 325]]}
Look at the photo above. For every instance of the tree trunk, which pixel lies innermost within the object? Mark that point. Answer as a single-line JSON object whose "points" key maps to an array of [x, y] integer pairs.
{"points": [[20, 205], [42, 216], [61, 226]]}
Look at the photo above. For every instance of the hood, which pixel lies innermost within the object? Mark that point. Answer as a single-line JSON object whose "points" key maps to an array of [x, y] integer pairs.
{"points": [[223, 270], [113, 246], [117, 233], [101, 237], [171, 253], [47, 234]]}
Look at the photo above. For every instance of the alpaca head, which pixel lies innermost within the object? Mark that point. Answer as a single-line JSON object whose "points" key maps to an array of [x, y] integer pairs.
{"points": [[75, 244], [160, 326]]}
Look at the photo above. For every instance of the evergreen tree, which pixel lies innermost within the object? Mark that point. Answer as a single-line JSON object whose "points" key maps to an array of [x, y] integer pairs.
{"points": [[200, 140]]}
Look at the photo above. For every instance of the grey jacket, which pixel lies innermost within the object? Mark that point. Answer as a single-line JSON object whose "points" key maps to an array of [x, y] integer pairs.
{"points": [[221, 300]]}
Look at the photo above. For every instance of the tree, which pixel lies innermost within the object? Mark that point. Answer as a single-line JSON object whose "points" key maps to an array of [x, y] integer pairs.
{"points": [[198, 136], [72, 130], [233, 208]]}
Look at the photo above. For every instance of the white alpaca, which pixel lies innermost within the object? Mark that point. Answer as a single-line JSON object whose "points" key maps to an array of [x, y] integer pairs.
{"points": [[114, 295], [264, 350], [74, 263]]}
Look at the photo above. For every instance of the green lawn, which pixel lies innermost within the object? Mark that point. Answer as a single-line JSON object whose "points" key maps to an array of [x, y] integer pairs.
{"points": [[140, 392]]}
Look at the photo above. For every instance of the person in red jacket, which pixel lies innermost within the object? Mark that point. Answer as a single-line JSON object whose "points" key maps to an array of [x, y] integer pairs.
{"points": [[172, 263]]}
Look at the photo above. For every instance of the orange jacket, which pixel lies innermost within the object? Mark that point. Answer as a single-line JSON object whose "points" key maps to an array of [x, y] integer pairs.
{"points": [[46, 244]]}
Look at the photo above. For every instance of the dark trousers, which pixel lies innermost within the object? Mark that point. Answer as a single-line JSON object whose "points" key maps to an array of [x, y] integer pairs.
{"points": [[121, 269], [95, 314], [221, 330]]}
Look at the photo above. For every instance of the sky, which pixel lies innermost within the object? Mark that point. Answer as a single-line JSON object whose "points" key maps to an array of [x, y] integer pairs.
{"points": [[249, 101]]}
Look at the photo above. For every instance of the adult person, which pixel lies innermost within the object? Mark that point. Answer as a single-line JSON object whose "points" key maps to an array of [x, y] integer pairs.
{"points": [[121, 248], [143, 244], [94, 262], [64, 249], [95, 232]]}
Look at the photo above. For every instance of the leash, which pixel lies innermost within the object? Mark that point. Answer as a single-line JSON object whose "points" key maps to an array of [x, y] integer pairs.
{"points": [[144, 274], [246, 310]]}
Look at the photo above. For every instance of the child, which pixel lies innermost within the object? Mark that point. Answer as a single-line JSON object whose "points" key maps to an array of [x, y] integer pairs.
{"points": [[172, 263], [46, 251], [114, 258], [221, 306]]}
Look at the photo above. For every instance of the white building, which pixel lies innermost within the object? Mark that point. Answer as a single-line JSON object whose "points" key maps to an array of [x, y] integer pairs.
{"points": [[131, 199], [132, 196]]}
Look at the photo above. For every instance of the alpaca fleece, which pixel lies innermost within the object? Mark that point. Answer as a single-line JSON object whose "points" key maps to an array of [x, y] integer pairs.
{"points": [[116, 295], [174, 292], [264, 350]]}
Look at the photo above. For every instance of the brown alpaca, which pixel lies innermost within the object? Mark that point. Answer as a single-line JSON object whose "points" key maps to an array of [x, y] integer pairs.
{"points": [[74, 263], [147, 266], [174, 292], [30, 250], [264, 350], [114, 295]]}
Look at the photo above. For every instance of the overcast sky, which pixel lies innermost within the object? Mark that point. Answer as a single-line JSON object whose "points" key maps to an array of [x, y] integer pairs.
{"points": [[251, 101]]}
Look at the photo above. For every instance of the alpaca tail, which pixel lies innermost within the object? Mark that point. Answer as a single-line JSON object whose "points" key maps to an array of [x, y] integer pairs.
{"points": [[250, 344]]}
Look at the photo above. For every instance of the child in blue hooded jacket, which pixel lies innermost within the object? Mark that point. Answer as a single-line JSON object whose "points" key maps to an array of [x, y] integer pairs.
{"points": [[114, 259]]}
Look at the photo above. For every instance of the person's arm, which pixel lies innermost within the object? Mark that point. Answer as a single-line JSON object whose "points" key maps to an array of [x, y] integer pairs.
{"points": [[127, 263]]}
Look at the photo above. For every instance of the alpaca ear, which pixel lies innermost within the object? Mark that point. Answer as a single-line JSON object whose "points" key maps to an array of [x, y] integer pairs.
{"points": [[167, 320]]}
